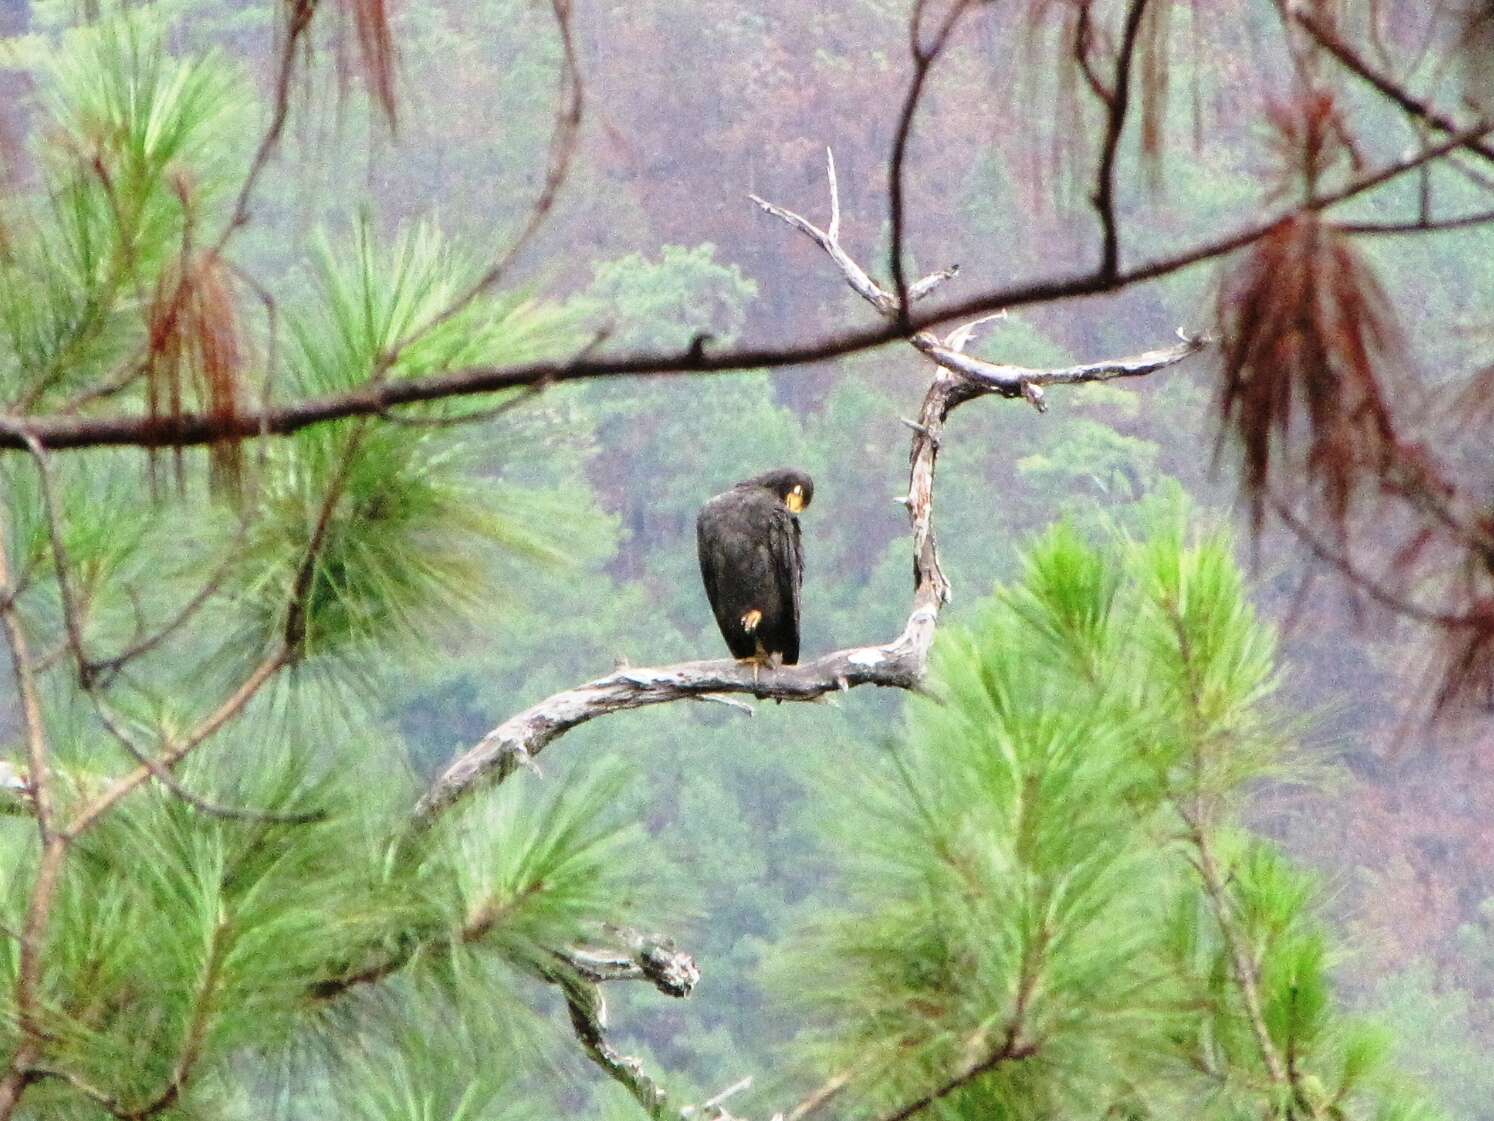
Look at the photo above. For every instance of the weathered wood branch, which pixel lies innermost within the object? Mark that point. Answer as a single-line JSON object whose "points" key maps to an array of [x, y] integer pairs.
{"points": [[949, 353], [638, 957], [580, 973], [518, 739]]}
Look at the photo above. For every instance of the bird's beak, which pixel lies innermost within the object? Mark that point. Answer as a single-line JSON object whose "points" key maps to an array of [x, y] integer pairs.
{"points": [[795, 500]]}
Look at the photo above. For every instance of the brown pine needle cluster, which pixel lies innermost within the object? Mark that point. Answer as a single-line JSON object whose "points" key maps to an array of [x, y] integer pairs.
{"points": [[195, 345], [1308, 140], [1307, 337], [374, 55]]}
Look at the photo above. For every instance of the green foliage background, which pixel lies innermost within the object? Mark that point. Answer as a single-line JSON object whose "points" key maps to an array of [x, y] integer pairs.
{"points": [[895, 885]]}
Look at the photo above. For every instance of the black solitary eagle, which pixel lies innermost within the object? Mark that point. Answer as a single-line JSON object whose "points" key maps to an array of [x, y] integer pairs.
{"points": [[753, 563]]}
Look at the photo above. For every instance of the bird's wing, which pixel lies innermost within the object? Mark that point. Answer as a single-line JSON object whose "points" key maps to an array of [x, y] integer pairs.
{"points": [[788, 571], [715, 564], [708, 562]]}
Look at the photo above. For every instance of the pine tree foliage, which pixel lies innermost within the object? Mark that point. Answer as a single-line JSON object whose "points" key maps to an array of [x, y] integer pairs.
{"points": [[283, 917], [184, 943], [1055, 909]]}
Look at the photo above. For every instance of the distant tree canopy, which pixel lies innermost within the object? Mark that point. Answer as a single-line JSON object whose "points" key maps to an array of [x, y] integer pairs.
{"points": [[311, 485]]}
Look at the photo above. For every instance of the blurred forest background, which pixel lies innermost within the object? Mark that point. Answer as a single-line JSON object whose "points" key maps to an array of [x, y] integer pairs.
{"points": [[690, 107]]}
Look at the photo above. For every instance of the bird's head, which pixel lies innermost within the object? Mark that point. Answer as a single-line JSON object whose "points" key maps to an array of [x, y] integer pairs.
{"points": [[792, 487]]}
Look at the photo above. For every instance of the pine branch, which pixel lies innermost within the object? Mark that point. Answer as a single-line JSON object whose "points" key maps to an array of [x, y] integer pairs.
{"points": [[59, 432]]}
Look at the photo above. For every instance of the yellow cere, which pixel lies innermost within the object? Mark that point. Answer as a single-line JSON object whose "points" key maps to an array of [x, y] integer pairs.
{"points": [[795, 500]]}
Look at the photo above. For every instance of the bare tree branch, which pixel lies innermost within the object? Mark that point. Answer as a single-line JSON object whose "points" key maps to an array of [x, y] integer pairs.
{"points": [[588, 1013], [1421, 225], [1116, 107], [822, 1095], [579, 974], [639, 957], [1386, 86], [712, 1106], [1376, 589], [298, 23], [924, 58]]}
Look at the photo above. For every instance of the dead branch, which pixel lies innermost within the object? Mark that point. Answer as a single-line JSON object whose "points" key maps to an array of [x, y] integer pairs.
{"points": [[588, 1014], [712, 1107], [638, 957], [1387, 87], [579, 974], [1116, 106], [518, 739], [925, 55]]}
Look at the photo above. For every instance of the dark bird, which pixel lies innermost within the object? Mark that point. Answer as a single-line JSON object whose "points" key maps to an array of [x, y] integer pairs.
{"points": [[753, 563]]}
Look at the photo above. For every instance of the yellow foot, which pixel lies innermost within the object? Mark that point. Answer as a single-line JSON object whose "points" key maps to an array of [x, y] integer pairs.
{"points": [[751, 619], [757, 662]]}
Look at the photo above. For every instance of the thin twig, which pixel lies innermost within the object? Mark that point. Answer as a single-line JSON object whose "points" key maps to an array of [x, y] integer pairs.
{"points": [[298, 24], [174, 752], [196, 1032], [1115, 124], [924, 58], [1011, 1049], [1384, 85], [565, 131], [91, 685], [1422, 225], [1372, 587]]}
